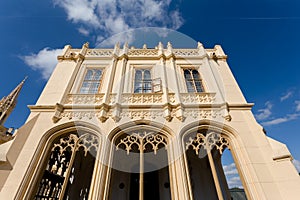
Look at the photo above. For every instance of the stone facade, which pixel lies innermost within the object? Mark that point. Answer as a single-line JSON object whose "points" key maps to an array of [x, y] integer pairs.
{"points": [[102, 100]]}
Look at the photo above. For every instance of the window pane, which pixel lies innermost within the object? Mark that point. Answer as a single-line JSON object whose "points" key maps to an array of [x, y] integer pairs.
{"points": [[91, 81], [196, 75], [142, 82], [190, 86], [85, 88], [89, 75], [97, 74], [147, 75], [94, 88], [199, 86], [147, 86], [138, 75], [187, 74], [138, 86]]}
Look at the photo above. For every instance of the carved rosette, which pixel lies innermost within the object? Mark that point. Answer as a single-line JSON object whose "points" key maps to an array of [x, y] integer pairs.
{"points": [[208, 142]]}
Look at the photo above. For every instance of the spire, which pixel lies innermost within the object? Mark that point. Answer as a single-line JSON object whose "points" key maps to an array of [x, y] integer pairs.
{"points": [[8, 103]]}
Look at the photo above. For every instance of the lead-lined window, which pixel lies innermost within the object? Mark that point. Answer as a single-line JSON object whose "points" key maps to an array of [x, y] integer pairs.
{"points": [[193, 80], [91, 82]]}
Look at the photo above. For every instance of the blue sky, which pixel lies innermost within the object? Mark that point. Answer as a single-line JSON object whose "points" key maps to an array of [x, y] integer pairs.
{"points": [[260, 37]]}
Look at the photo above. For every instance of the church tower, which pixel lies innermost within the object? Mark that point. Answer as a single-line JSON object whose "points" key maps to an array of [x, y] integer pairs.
{"points": [[7, 104], [144, 123]]}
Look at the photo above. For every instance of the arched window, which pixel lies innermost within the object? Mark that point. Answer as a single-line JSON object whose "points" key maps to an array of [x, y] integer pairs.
{"points": [[142, 81], [140, 167], [193, 80], [69, 168], [91, 81], [203, 155]]}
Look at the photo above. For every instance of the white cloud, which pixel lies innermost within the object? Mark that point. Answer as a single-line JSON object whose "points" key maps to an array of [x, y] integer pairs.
{"points": [[230, 169], [232, 176], [234, 182], [44, 61], [286, 96], [115, 16], [264, 113], [297, 106], [83, 31], [297, 164], [280, 120]]}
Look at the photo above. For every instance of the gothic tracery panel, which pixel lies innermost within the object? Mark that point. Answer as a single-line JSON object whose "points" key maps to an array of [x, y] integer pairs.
{"points": [[70, 157]]}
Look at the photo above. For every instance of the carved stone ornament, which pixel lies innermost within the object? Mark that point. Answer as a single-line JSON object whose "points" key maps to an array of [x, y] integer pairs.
{"points": [[81, 114], [143, 52], [86, 142], [58, 112], [141, 139], [208, 142], [100, 52], [142, 114], [185, 52], [196, 98], [87, 99], [142, 98], [203, 114]]}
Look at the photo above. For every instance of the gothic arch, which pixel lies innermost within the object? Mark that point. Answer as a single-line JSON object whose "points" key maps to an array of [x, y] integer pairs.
{"points": [[141, 130], [220, 136], [41, 154]]}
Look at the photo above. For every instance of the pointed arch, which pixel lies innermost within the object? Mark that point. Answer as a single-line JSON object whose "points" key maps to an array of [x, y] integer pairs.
{"points": [[139, 161], [57, 158], [203, 143]]}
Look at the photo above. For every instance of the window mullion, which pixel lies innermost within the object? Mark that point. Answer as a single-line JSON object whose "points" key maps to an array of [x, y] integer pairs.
{"points": [[141, 181], [65, 183], [214, 173]]}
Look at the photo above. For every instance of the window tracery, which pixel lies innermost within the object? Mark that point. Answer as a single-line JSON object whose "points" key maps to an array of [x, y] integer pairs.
{"points": [[208, 142], [203, 153], [144, 179], [69, 169], [142, 139]]}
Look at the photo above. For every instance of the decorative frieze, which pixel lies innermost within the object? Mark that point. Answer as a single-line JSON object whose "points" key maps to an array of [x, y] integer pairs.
{"points": [[196, 98], [142, 98], [143, 52], [87, 99], [142, 114], [185, 52], [203, 114], [100, 52], [81, 114]]}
